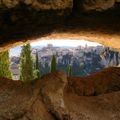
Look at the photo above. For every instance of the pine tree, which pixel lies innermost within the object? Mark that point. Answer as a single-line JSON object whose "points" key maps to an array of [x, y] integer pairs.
{"points": [[26, 64], [53, 64], [37, 66], [5, 70], [70, 70], [117, 58]]}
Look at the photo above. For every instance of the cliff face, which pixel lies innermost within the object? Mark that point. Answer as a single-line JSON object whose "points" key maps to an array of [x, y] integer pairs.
{"points": [[51, 98]]}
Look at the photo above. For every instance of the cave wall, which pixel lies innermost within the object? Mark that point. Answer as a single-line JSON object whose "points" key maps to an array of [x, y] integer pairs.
{"points": [[26, 20], [98, 5], [38, 4], [61, 4]]}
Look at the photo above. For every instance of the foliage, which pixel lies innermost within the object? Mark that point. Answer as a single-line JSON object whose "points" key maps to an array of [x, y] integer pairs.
{"points": [[82, 65], [53, 64], [36, 74], [5, 70], [37, 69], [26, 64], [70, 70]]}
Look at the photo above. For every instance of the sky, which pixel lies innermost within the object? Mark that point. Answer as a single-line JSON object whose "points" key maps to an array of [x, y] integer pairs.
{"points": [[58, 42], [67, 42]]}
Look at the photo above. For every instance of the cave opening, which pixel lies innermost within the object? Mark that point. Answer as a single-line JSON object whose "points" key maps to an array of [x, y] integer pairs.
{"points": [[81, 56], [90, 86]]}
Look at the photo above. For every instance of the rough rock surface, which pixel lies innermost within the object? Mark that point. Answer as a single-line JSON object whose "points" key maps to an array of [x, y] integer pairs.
{"points": [[103, 107], [51, 99], [98, 5], [26, 20], [53, 94], [62, 4], [39, 4], [21, 102], [98, 83]]}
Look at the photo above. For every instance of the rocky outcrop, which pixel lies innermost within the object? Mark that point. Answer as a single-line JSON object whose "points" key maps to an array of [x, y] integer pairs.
{"points": [[50, 99], [52, 90], [103, 107], [21, 102], [41, 100], [98, 83]]}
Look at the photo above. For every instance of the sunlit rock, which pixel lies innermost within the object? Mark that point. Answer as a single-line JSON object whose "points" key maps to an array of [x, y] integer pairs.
{"points": [[40, 4], [98, 5], [10, 3]]}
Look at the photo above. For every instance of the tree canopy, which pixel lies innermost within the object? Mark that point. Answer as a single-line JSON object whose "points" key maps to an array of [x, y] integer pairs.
{"points": [[26, 64], [5, 70], [53, 64]]}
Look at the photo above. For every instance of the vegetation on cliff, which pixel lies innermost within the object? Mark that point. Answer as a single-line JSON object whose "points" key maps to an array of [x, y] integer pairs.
{"points": [[70, 70], [37, 68], [53, 64]]}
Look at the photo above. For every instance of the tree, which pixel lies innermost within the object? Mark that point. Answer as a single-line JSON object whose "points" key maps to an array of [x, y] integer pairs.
{"points": [[5, 70], [70, 70], [53, 64], [26, 64], [117, 58], [37, 70]]}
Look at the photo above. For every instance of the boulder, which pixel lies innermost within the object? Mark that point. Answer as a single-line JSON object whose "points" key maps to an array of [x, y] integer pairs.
{"points": [[103, 82], [52, 90]]}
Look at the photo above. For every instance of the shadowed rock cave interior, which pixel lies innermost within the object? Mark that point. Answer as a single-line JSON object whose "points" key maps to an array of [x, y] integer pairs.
{"points": [[90, 19], [56, 96]]}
